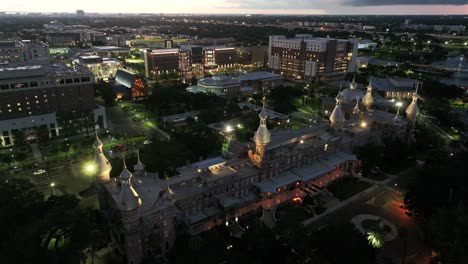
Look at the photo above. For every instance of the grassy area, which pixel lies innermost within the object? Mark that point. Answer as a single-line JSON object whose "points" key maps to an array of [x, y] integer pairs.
{"points": [[347, 187], [292, 213]]}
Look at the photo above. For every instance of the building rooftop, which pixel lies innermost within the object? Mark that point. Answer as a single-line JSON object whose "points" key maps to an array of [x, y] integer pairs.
{"points": [[254, 76], [288, 136], [219, 80], [56, 69], [270, 113]]}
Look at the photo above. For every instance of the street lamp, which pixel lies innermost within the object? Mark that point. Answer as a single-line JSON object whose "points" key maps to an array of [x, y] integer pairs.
{"points": [[52, 184], [90, 168], [397, 116]]}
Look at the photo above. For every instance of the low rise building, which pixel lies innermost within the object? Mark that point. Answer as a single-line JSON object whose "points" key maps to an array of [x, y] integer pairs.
{"points": [[103, 68], [246, 84], [127, 84], [24, 52]]}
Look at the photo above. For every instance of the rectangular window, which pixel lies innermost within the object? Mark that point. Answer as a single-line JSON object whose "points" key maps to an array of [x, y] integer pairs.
{"points": [[69, 81], [85, 79], [4, 86], [33, 84], [76, 80]]}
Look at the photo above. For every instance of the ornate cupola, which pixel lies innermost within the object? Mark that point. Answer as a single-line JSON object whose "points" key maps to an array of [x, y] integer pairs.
{"points": [[356, 110], [129, 199], [352, 93], [337, 116], [103, 166], [262, 137], [413, 108], [139, 167], [368, 100]]}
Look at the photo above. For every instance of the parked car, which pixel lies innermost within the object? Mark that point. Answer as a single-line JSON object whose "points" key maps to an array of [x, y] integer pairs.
{"points": [[39, 172]]}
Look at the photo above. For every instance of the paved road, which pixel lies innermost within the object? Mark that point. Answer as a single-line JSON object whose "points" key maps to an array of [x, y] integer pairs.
{"points": [[384, 202]]}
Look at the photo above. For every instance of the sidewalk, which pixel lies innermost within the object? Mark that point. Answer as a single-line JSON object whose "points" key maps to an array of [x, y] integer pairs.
{"points": [[36, 151], [342, 204]]}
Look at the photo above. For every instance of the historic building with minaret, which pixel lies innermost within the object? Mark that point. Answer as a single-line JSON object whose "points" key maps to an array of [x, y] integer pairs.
{"points": [[146, 213]]}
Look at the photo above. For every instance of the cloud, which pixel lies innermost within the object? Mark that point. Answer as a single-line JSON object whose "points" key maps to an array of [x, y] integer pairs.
{"points": [[402, 2], [284, 4]]}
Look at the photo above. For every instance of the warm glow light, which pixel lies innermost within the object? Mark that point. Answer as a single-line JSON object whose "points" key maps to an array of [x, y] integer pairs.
{"points": [[297, 200], [52, 184], [90, 168], [228, 128], [302, 141], [363, 124], [399, 104]]}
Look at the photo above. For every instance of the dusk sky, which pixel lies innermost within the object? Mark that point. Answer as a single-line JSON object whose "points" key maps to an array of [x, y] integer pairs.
{"points": [[243, 6]]}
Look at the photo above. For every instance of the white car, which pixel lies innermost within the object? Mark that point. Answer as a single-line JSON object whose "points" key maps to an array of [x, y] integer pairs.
{"points": [[39, 172]]}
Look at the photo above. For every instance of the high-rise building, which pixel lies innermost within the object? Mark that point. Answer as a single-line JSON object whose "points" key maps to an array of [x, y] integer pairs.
{"points": [[308, 58], [32, 96], [80, 13], [161, 61]]}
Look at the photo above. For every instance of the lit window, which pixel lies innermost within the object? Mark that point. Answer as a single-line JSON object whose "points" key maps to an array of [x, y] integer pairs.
{"points": [[325, 148]]}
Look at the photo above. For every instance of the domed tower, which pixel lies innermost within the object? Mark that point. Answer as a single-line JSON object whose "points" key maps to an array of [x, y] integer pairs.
{"points": [[368, 100], [128, 203], [139, 168], [262, 138], [103, 166], [352, 93], [356, 110], [337, 116], [413, 108]]}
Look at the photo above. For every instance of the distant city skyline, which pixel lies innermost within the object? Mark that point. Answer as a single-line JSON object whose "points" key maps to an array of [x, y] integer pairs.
{"points": [[357, 7]]}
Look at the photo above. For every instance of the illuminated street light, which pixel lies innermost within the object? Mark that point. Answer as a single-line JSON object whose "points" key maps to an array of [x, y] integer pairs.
{"points": [[363, 124], [52, 184], [90, 168], [397, 116], [228, 128]]}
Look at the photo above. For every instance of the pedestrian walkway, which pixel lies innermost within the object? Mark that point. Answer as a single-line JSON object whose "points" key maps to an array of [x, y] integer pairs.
{"points": [[339, 205], [36, 152]]}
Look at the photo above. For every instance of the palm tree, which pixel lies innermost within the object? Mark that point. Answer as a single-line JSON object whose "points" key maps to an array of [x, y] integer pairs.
{"points": [[375, 237], [403, 235]]}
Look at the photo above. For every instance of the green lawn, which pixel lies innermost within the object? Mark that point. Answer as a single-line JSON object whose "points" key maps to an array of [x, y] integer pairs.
{"points": [[291, 213], [346, 187]]}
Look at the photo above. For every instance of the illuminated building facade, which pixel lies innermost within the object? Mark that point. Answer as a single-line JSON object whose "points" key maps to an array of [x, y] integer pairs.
{"points": [[189, 60], [148, 212], [308, 58], [128, 84], [161, 61], [102, 68], [32, 96]]}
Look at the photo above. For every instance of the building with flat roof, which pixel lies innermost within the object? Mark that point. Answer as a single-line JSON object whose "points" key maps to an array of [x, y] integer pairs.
{"points": [[111, 51], [102, 67], [27, 91], [245, 84], [308, 58], [23, 52], [161, 61], [188, 60]]}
